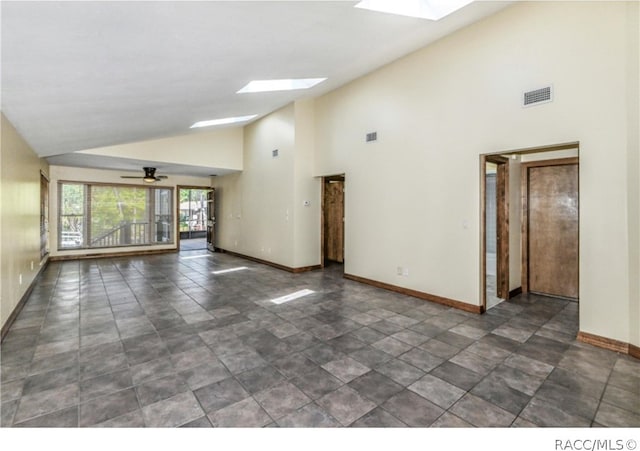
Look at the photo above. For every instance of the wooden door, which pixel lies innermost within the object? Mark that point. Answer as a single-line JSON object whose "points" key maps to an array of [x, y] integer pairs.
{"points": [[211, 220], [334, 220], [551, 221], [502, 225]]}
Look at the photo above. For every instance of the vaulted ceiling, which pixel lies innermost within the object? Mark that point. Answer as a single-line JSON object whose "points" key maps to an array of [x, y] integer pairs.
{"points": [[86, 74]]}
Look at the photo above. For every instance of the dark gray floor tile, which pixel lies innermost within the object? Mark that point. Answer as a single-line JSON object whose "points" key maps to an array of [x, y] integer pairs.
{"points": [[260, 378], [202, 422], [529, 366], [473, 362], [367, 335], [626, 381], [295, 365], [63, 360], [346, 369], [132, 419], [565, 399], [67, 418], [421, 359], [14, 389], [175, 411], [107, 407], [41, 403], [622, 398], [194, 357], [495, 391], [346, 344], [159, 389], [378, 418], [7, 412], [542, 413], [376, 387], [454, 339], [317, 384], [281, 399], [105, 384], [481, 413], [518, 380], [400, 371], [412, 409], [242, 361], [439, 392], [439, 348], [613, 416], [98, 366], [245, 413], [151, 369], [496, 341], [309, 416], [449, 420], [205, 374], [345, 405], [386, 327], [370, 356], [578, 383], [221, 394], [322, 353], [392, 346]]}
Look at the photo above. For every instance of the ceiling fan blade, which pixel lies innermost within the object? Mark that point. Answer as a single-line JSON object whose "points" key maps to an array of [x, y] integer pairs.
{"points": [[129, 177], [162, 176]]}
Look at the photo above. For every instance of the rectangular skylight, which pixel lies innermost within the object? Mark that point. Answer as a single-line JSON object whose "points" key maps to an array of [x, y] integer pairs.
{"points": [[287, 84], [292, 296], [224, 271], [223, 121], [423, 9]]}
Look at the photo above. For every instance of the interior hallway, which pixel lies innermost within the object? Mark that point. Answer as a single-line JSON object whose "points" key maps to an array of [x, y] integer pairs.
{"points": [[163, 341]]}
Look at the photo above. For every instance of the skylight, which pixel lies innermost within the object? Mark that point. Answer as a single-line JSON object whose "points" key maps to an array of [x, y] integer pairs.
{"points": [[223, 121], [288, 84], [423, 9]]}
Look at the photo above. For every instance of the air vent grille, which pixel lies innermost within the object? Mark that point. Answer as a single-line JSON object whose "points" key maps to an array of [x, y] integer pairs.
{"points": [[373, 136], [537, 96]]}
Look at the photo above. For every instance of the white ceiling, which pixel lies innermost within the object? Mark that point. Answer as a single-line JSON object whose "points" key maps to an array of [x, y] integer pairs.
{"points": [[79, 75]]}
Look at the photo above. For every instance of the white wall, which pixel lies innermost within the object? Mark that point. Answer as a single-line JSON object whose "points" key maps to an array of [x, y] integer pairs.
{"points": [[220, 148], [436, 110], [20, 222], [69, 174]]}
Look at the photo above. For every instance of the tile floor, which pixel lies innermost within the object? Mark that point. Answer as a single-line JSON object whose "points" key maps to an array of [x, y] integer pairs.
{"points": [[160, 341]]}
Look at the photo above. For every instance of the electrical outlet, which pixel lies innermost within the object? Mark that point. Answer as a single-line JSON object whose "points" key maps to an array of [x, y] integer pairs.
{"points": [[20, 279], [405, 272], [399, 270], [31, 265]]}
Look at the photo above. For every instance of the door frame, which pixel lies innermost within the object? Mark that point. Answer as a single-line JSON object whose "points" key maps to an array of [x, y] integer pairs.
{"points": [[524, 189], [178, 188], [327, 179], [502, 226]]}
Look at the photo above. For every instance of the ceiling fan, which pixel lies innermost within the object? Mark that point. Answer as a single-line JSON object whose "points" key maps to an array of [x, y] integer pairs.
{"points": [[149, 176]]}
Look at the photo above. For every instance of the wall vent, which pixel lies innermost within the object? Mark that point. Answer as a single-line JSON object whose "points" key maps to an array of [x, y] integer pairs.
{"points": [[537, 96], [373, 136], [274, 153]]}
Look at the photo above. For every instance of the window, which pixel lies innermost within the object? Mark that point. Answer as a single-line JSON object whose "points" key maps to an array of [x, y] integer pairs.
{"points": [[98, 216]]}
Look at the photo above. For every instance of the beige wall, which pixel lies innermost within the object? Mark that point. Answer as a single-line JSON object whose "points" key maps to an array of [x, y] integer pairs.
{"points": [[410, 193], [65, 173], [633, 167], [219, 148], [20, 222], [261, 211]]}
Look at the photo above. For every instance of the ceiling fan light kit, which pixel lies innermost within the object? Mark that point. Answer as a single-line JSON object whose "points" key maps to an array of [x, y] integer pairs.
{"points": [[149, 176]]}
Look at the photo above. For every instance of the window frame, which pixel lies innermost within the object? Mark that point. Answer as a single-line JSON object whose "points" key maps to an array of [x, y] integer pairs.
{"points": [[87, 212]]}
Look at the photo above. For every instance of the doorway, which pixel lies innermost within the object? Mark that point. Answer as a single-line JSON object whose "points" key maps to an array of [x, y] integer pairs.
{"points": [[550, 227], [495, 191], [333, 220], [193, 208]]}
